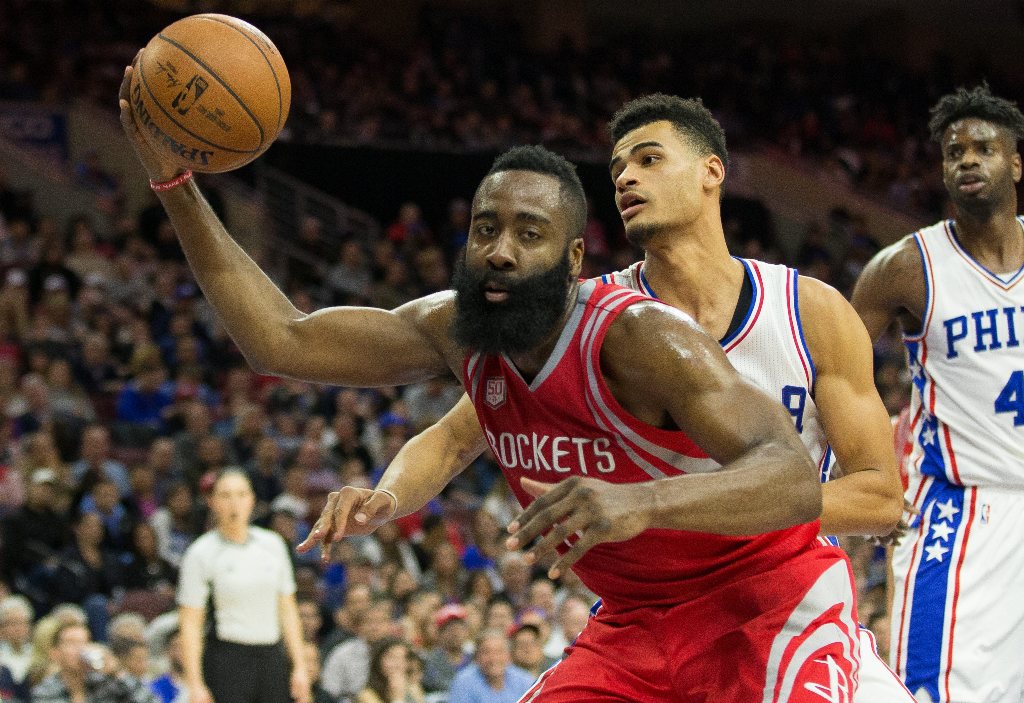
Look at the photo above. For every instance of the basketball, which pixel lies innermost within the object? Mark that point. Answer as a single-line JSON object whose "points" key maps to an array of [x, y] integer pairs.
{"points": [[212, 91]]}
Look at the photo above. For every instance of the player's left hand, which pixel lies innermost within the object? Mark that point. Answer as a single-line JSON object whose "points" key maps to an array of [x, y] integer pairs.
{"points": [[595, 511], [894, 537]]}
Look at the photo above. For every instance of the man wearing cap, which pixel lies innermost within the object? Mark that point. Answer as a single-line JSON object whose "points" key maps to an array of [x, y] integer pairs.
{"points": [[449, 654], [33, 535]]}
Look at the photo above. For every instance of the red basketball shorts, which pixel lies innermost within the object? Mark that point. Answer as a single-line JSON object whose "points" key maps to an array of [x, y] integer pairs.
{"points": [[786, 636]]}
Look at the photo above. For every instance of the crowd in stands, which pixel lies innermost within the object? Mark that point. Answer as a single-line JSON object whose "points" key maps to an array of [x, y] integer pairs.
{"points": [[468, 83], [120, 394]]}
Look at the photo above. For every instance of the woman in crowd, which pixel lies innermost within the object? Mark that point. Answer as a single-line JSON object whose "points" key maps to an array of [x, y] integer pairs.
{"points": [[389, 680]]}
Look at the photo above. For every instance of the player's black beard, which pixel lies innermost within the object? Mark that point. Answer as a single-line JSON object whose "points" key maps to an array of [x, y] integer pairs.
{"points": [[522, 322]]}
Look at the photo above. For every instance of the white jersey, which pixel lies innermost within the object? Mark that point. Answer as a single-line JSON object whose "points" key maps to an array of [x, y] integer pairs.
{"points": [[768, 349], [967, 364]]}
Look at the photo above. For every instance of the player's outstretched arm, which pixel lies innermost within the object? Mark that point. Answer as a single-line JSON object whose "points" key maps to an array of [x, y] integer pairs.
{"points": [[666, 371], [420, 471], [345, 346], [891, 287], [868, 498]]}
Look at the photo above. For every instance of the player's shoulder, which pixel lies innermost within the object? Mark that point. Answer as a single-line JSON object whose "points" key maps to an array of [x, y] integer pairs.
{"points": [[647, 330], [828, 320], [901, 258], [431, 314], [818, 300]]}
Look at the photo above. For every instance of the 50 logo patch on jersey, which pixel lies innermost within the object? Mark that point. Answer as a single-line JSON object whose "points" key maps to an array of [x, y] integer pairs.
{"points": [[495, 392]]}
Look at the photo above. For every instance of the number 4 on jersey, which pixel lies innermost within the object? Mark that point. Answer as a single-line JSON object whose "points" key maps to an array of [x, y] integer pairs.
{"points": [[1011, 398]]}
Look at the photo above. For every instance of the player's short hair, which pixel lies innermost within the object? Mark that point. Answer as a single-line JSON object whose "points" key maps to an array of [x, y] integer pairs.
{"points": [[692, 121], [537, 159], [977, 102]]}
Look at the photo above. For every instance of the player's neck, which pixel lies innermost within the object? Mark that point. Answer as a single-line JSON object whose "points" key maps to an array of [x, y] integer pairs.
{"points": [[996, 242], [530, 363], [697, 276]]}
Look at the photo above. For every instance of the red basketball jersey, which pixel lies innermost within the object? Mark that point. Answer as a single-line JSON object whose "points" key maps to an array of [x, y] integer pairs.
{"points": [[566, 422]]}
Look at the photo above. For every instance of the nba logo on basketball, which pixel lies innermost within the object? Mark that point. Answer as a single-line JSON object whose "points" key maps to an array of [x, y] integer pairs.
{"points": [[494, 392], [187, 97]]}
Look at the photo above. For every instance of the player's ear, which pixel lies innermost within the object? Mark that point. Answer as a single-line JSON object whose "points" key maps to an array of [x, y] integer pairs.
{"points": [[714, 172], [576, 256], [1015, 166]]}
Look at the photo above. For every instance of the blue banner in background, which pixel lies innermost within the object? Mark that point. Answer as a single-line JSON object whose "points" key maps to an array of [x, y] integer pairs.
{"points": [[35, 127]]}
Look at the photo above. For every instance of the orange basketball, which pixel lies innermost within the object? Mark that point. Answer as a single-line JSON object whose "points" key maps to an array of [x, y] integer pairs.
{"points": [[212, 91]]}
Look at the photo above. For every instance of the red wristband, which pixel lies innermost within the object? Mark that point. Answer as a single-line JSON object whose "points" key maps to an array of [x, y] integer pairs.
{"points": [[160, 186]]}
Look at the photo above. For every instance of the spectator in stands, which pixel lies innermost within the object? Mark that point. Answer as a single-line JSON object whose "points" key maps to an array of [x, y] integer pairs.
{"points": [[33, 538], [96, 372], [348, 281], [388, 680], [347, 666], [96, 462], [170, 686], [142, 404], [16, 616], [14, 305], [572, 616], [451, 649], [88, 573], [347, 616], [491, 678], [527, 644], [146, 570], [85, 258], [132, 656], [103, 500], [87, 673], [409, 232], [176, 523], [66, 396]]}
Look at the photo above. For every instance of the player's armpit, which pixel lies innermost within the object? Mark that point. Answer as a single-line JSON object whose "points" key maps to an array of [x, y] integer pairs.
{"points": [[891, 287], [665, 370], [867, 498]]}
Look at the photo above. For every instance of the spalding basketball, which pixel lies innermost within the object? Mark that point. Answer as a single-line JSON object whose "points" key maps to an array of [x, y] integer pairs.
{"points": [[212, 91]]}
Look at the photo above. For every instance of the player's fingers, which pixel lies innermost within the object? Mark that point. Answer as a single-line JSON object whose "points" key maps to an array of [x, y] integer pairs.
{"points": [[322, 526], [348, 499], [561, 533], [539, 524], [538, 506], [380, 506], [575, 553]]}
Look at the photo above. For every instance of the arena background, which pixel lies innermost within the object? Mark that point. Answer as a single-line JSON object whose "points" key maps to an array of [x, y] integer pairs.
{"points": [[398, 108]]}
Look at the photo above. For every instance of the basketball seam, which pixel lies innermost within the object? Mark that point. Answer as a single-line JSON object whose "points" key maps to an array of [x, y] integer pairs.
{"points": [[277, 83], [145, 84], [214, 75]]}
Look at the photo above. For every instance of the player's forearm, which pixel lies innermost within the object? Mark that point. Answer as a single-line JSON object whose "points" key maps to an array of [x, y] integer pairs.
{"points": [[253, 310], [428, 461], [860, 503], [769, 489]]}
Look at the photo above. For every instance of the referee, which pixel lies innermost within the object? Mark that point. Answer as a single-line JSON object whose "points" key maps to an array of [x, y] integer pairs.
{"points": [[236, 604]]}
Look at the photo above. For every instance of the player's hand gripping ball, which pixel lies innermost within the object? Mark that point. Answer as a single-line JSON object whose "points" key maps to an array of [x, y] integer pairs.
{"points": [[210, 92]]}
